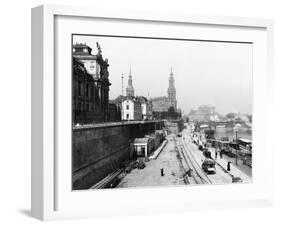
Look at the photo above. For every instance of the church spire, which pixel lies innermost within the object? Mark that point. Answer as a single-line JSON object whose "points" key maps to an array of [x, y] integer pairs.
{"points": [[172, 89], [130, 88], [172, 81]]}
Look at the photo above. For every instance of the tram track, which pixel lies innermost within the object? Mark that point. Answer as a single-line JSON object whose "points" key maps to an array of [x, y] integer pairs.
{"points": [[193, 169]]}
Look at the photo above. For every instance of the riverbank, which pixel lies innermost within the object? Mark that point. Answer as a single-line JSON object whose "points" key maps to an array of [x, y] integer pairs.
{"points": [[242, 132]]}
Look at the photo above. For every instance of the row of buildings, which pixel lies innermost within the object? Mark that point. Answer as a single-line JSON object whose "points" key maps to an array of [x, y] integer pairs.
{"points": [[90, 93], [204, 113], [133, 107], [207, 113], [141, 108]]}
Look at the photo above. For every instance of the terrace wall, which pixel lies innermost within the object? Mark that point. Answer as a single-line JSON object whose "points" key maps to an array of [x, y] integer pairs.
{"points": [[99, 149]]}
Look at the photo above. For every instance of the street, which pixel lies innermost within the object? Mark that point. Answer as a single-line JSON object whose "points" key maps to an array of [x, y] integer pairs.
{"points": [[220, 177], [181, 162]]}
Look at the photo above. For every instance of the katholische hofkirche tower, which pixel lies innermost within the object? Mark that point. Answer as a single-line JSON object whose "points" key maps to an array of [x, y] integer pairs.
{"points": [[172, 91], [164, 103]]}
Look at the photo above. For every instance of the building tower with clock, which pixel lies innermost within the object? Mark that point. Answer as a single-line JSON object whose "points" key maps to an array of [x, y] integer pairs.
{"points": [[130, 92], [172, 91]]}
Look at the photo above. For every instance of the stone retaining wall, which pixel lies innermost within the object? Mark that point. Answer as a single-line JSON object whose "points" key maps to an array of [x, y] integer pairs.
{"points": [[98, 150]]}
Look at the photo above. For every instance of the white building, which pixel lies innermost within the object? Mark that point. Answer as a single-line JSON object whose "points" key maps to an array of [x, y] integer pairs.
{"points": [[131, 109], [142, 147]]}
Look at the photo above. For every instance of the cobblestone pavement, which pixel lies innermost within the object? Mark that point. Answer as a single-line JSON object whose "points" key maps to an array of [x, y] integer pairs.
{"points": [[233, 169], [151, 174], [173, 174], [221, 176]]}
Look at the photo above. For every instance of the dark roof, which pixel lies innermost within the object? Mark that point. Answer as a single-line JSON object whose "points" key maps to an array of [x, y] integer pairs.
{"points": [[130, 98], [80, 45], [118, 99], [141, 140], [142, 99]]}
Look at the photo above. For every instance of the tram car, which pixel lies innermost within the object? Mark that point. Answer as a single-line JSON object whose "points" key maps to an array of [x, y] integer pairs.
{"points": [[245, 146]]}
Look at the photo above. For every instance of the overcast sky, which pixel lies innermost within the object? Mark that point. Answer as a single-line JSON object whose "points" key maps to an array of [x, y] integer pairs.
{"points": [[214, 73]]}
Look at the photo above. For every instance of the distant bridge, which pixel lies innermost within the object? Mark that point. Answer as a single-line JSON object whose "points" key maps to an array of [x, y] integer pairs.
{"points": [[215, 124]]}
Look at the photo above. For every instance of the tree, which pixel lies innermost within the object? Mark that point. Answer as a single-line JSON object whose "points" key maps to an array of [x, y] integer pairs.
{"points": [[230, 115], [250, 118]]}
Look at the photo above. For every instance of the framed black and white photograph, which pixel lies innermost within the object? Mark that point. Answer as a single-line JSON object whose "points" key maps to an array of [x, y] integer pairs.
{"points": [[148, 112], [193, 128]]}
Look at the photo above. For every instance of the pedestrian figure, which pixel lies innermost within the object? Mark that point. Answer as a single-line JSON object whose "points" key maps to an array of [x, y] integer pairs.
{"points": [[220, 154], [228, 166], [216, 154], [162, 172]]}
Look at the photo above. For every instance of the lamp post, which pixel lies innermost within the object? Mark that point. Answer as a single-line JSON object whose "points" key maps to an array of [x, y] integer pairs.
{"points": [[236, 156]]}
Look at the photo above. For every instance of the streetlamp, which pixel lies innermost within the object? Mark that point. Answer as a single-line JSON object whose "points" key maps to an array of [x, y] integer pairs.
{"points": [[236, 154]]}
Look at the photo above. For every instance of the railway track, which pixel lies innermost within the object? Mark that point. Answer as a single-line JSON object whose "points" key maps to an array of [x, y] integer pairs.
{"points": [[108, 180], [192, 168]]}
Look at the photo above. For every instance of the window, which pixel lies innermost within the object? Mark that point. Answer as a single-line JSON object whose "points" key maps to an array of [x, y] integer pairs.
{"points": [[127, 107], [142, 150], [127, 116], [79, 88], [87, 90]]}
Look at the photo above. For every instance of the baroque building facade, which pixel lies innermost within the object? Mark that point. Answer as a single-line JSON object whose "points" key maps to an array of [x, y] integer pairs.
{"points": [[90, 87]]}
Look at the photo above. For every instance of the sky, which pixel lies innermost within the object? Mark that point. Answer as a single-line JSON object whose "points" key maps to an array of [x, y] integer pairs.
{"points": [[212, 73]]}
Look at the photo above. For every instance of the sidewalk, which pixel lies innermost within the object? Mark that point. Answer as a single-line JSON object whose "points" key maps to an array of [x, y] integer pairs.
{"points": [[151, 175], [156, 153], [234, 171], [222, 176]]}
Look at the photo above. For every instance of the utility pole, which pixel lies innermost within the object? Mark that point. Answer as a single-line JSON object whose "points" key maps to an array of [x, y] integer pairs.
{"points": [[236, 156], [122, 84], [122, 110]]}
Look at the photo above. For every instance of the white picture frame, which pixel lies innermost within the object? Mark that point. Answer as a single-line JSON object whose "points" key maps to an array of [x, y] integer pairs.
{"points": [[46, 161]]}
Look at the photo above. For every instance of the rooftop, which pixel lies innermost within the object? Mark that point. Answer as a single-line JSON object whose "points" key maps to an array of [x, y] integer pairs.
{"points": [[142, 140], [245, 140], [142, 99]]}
